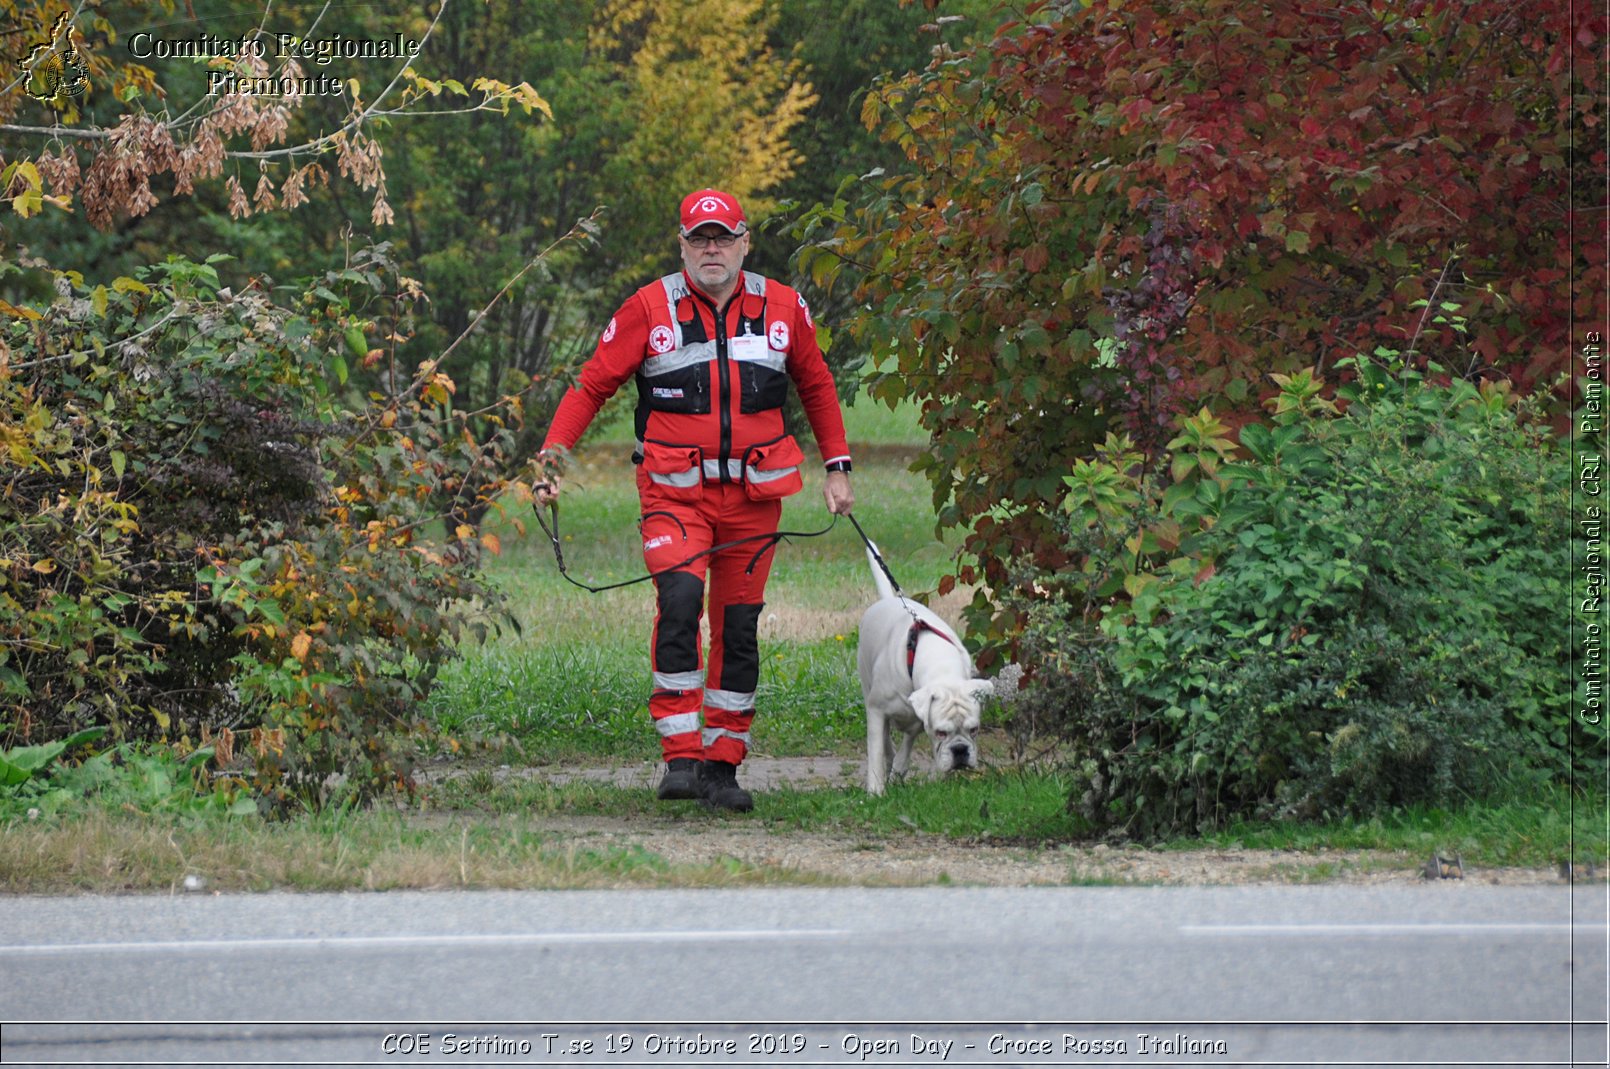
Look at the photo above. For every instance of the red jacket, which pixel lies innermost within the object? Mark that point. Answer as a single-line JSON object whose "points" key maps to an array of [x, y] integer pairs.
{"points": [[718, 390]]}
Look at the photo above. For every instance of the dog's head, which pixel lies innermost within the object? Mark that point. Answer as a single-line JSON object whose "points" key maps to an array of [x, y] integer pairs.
{"points": [[949, 713]]}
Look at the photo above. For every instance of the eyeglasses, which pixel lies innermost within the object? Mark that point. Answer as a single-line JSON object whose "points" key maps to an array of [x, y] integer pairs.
{"points": [[703, 241]]}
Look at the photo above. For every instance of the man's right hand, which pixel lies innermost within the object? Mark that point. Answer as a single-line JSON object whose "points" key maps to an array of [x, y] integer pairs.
{"points": [[545, 487]]}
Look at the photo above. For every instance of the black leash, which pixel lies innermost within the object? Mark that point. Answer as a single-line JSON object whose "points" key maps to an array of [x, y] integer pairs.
{"points": [[872, 549], [917, 623], [771, 539]]}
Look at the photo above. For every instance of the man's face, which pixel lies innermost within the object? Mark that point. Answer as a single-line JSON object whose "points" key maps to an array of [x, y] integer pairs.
{"points": [[713, 267]]}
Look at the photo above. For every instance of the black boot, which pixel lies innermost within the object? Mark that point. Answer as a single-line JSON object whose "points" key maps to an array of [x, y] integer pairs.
{"points": [[719, 781], [681, 779]]}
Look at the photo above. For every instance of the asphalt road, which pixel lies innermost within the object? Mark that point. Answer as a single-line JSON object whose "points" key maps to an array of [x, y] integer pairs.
{"points": [[1433, 974]]}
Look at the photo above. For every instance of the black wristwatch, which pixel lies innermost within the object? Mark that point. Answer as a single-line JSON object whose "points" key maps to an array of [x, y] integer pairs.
{"points": [[839, 465]]}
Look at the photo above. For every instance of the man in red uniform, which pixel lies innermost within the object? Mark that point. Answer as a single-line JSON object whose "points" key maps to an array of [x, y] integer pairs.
{"points": [[713, 349]]}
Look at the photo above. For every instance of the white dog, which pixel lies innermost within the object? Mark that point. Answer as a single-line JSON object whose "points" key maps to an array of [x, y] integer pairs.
{"points": [[915, 676]]}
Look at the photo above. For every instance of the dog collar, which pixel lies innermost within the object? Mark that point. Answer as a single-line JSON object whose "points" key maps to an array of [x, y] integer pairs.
{"points": [[917, 628]]}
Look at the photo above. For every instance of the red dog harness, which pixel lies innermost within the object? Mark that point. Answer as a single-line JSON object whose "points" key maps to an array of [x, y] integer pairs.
{"points": [[917, 628]]}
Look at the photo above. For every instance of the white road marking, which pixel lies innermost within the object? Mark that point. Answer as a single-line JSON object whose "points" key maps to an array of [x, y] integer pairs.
{"points": [[389, 941], [1368, 928]]}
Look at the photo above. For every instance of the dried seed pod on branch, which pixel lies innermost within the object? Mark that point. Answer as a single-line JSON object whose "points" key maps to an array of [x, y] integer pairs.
{"points": [[103, 142]]}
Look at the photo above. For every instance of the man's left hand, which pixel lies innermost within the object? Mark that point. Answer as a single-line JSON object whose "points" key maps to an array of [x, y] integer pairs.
{"points": [[837, 493]]}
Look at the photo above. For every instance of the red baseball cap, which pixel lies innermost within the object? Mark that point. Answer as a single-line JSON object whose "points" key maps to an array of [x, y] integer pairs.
{"points": [[712, 206]]}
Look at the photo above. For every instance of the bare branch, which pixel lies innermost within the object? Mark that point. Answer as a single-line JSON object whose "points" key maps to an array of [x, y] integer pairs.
{"points": [[57, 131]]}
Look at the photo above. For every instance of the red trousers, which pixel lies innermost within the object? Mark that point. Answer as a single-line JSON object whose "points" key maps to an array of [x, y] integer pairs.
{"points": [[685, 684]]}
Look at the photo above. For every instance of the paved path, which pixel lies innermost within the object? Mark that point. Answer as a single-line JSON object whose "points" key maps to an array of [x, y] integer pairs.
{"points": [[1433, 974]]}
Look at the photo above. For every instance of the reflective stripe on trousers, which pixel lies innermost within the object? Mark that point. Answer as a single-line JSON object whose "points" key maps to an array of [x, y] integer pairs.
{"points": [[687, 684]]}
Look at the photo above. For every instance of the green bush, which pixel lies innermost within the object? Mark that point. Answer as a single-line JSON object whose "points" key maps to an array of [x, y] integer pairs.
{"points": [[208, 528], [38, 782], [1353, 616], [27, 772]]}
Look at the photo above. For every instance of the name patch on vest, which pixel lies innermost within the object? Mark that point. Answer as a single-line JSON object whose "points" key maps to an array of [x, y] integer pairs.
{"points": [[748, 347]]}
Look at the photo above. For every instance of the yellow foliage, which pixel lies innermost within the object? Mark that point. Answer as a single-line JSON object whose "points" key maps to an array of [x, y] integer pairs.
{"points": [[714, 105]]}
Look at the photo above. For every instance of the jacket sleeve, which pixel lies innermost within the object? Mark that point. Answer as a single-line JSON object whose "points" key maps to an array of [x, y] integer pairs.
{"points": [[617, 358], [813, 380]]}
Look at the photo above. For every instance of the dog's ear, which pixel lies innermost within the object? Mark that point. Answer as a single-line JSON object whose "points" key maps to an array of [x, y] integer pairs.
{"points": [[922, 701], [980, 687]]}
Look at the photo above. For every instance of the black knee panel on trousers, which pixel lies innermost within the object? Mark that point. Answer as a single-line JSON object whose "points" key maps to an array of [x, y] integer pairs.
{"points": [[676, 642], [740, 664]]}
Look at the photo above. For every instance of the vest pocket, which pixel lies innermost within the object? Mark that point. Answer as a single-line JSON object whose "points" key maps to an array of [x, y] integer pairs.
{"points": [[676, 471], [762, 388], [771, 469]]}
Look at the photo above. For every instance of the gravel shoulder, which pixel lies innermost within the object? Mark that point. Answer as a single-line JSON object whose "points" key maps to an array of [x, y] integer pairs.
{"points": [[683, 834]]}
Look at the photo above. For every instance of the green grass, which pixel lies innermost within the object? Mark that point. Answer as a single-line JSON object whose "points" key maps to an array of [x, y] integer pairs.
{"points": [[1029, 808], [808, 690], [1003, 805], [477, 831], [870, 421], [109, 851], [1526, 832]]}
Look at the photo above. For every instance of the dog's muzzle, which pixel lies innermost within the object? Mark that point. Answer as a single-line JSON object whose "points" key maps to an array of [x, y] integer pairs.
{"points": [[961, 756]]}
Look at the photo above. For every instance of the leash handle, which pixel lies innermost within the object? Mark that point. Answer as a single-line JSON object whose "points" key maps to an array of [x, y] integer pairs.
{"points": [[553, 533]]}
